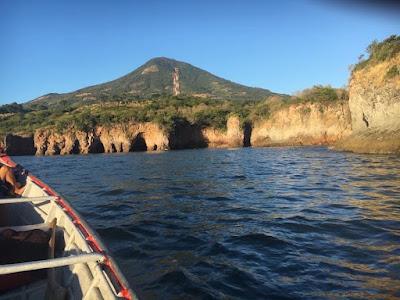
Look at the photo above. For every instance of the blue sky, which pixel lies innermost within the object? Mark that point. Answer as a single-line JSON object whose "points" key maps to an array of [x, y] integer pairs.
{"points": [[285, 46]]}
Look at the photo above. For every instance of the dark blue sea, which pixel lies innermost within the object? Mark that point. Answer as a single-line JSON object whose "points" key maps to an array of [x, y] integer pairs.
{"points": [[266, 223]]}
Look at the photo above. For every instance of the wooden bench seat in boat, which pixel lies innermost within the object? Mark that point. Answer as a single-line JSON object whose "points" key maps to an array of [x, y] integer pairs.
{"points": [[19, 246]]}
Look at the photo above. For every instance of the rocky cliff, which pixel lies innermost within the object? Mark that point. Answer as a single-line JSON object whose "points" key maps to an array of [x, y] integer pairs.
{"points": [[295, 124], [233, 136], [116, 138], [374, 93], [125, 138], [19, 144], [303, 124]]}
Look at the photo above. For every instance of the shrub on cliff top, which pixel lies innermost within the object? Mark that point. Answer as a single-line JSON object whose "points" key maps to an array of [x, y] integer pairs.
{"points": [[320, 93], [393, 72], [216, 118], [379, 51], [12, 108]]}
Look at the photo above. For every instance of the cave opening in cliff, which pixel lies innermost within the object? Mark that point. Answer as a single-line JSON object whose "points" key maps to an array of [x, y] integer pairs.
{"points": [[76, 148], [56, 150], [138, 144], [96, 146], [247, 128]]}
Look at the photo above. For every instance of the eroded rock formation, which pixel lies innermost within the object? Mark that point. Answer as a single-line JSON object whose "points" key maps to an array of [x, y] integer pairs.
{"points": [[296, 124], [303, 124], [185, 135], [375, 109], [117, 138], [232, 137]]}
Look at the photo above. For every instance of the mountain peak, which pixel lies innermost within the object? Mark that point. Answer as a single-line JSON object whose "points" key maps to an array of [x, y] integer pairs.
{"points": [[161, 59], [165, 63], [161, 76]]}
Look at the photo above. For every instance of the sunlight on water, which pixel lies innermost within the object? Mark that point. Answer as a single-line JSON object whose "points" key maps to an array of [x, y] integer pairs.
{"points": [[278, 223]]}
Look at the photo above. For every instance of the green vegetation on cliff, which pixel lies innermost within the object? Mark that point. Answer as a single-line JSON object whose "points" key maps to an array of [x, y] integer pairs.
{"points": [[323, 95], [165, 111], [379, 51], [146, 95], [393, 72], [12, 108]]}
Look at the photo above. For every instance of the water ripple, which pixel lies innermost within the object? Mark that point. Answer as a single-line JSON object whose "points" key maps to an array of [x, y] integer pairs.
{"points": [[279, 223]]}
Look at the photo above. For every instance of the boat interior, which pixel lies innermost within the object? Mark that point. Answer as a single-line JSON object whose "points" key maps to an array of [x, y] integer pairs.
{"points": [[49, 252]]}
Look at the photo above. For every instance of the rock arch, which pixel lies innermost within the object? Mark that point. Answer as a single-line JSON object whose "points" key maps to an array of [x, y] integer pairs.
{"points": [[96, 146], [138, 143]]}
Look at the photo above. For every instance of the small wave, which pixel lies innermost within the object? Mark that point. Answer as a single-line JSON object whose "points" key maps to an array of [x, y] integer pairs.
{"points": [[290, 198], [241, 211], [113, 192], [115, 207], [234, 220], [174, 277], [187, 243], [298, 227], [259, 239], [218, 198], [157, 225], [116, 233], [229, 251], [144, 232], [174, 282], [130, 253], [239, 177]]}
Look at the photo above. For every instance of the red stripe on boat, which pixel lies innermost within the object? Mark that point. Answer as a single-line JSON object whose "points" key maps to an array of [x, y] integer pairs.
{"points": [[93, 243]]}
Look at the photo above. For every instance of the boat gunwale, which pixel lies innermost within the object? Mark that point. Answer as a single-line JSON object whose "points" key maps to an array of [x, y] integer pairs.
{"points": [[91, 238]]}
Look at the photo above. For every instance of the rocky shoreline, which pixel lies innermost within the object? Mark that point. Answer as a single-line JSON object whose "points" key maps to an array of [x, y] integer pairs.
{"points": [[374, 102], [295, 125], [368, 122]]}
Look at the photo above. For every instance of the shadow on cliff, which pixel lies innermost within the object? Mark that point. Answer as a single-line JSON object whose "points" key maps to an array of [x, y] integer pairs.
{"points": [[247, 129], [96, 146], [20, 145], [185, 135], [182, 135], [138, 143]]}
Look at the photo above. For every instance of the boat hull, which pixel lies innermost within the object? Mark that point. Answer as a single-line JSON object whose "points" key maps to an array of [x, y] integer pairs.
{"points": [[40, 204]]}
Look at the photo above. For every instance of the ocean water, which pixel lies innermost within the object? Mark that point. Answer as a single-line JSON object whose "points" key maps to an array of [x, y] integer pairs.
{"points": [[267, 223]]}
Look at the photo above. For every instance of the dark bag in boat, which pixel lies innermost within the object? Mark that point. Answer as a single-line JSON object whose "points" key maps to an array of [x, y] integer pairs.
{"points": [[4, 190], [22, 246], [20, 174]]}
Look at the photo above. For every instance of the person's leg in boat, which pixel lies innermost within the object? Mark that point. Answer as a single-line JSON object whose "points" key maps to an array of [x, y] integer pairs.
{"points": [[7, 175]]}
